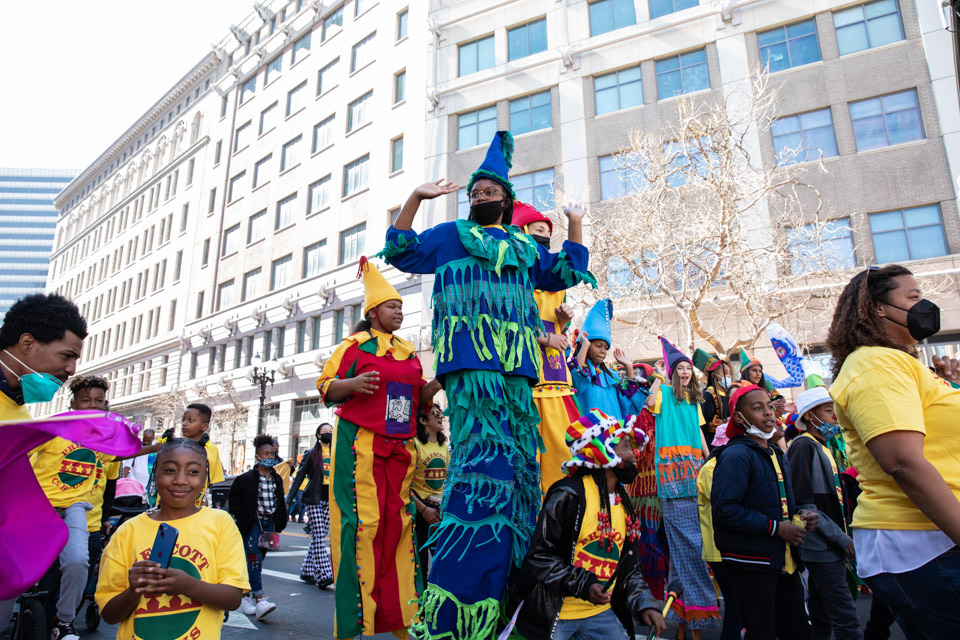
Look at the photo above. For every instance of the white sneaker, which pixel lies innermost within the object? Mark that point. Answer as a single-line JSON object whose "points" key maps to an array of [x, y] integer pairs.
{"points": [[248, 606], [264, 608]]}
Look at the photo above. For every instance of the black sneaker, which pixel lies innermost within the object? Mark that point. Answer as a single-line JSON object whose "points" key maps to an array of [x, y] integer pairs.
{"points": [[63, 631], [326, 582], [308, 579]]}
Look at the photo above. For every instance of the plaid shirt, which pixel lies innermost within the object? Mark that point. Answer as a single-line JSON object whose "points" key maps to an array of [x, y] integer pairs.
{"points": [[266, 496]]}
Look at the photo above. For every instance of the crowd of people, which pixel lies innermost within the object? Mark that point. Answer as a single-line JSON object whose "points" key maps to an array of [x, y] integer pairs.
{"points": [[581, 494]]}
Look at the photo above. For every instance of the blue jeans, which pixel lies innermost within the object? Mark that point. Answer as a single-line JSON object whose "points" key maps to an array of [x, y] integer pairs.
{"points": [[297, 508], [603, 626], [255, 554], [926, 600]]}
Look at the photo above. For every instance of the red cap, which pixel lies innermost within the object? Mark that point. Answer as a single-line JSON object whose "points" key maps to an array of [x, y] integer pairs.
{"points": [[734, 429], [524, 214]]}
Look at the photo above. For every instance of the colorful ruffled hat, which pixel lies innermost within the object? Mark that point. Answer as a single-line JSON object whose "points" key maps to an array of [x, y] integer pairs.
{"points": [[672, 356], [497, 163], [597, 322], [592, 439], [524, 214], [747, 361], [376, 289], [734, 429], [704, 361]]}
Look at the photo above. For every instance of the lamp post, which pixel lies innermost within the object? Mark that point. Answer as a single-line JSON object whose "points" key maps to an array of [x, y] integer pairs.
{"points": [[263, 373]]}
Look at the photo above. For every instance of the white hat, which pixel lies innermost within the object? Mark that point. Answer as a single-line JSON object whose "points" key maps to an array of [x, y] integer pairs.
{"points": [[810, 399]]}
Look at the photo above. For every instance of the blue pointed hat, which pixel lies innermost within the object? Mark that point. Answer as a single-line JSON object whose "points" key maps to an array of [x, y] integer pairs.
{"points": [[497, 163], [597, 322], [672, 356]]}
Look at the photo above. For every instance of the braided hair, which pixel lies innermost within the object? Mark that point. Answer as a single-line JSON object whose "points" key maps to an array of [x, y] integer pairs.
{"points": [[172, 445]]}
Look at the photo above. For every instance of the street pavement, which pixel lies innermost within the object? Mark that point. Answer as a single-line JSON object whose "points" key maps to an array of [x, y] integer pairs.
{"points": [[303, 611]]}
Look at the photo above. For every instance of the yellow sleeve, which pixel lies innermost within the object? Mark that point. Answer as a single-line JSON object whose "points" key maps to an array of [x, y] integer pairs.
{"points": [[332, 367], [658, 401], [112, 469], [231, 558], [216, 468], [898, 408], [114, 565], [703, 420]]}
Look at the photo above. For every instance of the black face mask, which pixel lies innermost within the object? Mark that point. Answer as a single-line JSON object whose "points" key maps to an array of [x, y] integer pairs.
{"points": [[326, 438], [543, 241], [486, 213], [627, 474], [923, 319]]}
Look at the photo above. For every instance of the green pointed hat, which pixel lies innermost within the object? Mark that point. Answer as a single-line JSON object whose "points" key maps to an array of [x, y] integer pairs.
{"points": [[704, 361], [497, 163], [747, 361]]}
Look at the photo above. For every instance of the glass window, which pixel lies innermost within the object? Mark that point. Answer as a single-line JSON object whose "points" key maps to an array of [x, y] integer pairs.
{"points": [[291, 154], [684, 73], [352, 243], [535, 188], [268, 118], [236, 187], [868, 25], [527, 39], [314, 259], [663, 7], [251, 284], [338, 326], [301, 336], [225, 295], [402, 19], [400, 87], [333, 23], [261, 170], [231, 240], [248, 89], [476, 56], [327, 77], [241, 136], [272, 72], [212, 202], [463, 204], [257, 227], [618, 177], [686, 163], [362, 53], [319, 195], [789, 46], [531, 113], [359, 112], [322, 134], [315, 326], [607, 15], [362, 5], [476, 127], [887, 120], [909, 234], [217, 151], [396, 155], [355, 176], [300, 48], [618, 90], [805, 137], [296, 98], [280, 272], [832, 250], [285, 212]]}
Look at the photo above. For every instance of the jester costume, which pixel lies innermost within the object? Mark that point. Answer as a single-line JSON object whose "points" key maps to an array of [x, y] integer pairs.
{"points": [[485, 328], [371, 471]]}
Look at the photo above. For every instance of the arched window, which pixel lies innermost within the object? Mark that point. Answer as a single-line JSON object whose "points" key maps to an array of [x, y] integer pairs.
{"points": [[195, 128]]}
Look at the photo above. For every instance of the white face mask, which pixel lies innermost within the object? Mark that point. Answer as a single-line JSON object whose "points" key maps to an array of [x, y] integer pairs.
{"points": [[754, 431]]}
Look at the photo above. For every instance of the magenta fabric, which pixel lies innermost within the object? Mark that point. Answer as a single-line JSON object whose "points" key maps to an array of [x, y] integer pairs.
{"points": [[31, 533]]}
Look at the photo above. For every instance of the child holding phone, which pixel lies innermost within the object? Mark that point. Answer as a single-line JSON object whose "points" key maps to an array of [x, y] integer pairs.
{"points": [[206, 575]]}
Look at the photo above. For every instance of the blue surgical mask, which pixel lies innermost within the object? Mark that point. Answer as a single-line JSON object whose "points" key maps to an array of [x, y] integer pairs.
{"points": [[725, 382], [35, 386], [828, 430]]}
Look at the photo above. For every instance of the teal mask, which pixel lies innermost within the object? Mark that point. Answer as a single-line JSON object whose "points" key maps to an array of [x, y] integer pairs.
{"points": [[827, 430], [268, 462], [36, 387]]}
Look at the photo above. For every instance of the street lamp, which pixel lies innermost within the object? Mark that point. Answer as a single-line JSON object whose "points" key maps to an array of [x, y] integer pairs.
{"points": [[263, 374]]}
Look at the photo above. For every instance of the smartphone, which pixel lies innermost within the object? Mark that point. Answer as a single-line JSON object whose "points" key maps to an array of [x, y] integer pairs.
{"points": [[163, 545]]}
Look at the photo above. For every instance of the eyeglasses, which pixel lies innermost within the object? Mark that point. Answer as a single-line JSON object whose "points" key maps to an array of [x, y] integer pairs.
{"points": [[486, 193]]}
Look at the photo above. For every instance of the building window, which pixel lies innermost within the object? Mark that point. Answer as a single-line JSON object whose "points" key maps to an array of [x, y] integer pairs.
{"points": [[225, 295], [285, 212], [804, 138], [789, 46], [280, 272], [531, 113], [260, 171], [257, 227], [301, 336], [352, 243], [476, 56], [832, 250], [193, 365], [217, 151], [868, 25], [281, 341], [251, 284], [362, 53], [684, 73], [887, 120], [909, 234], [607, 15], [463, 204], [300, 48], [358, 111], [327, 77], [199, 306], [273, 70], [618, 90], [402, 19], [296, 98], [267, 344], [223, 106], [663, 7], [476, 127], [396, 154], [205, 255], [268, 119], [177, 267], [338, 320], [231, 240], [313, 259], [535, 188], [212, 202], [333, 23], [400, 87], [315, 326], [355, 175], [190, 167], [527, 39], [360, 6], [248, 89], [393, 214], [319, 195], [290, 156], [618, 177], [322, 134], [236, 187]]}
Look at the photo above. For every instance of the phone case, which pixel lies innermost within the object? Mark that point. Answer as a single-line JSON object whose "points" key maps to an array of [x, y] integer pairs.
{"points": [[163, 545]]}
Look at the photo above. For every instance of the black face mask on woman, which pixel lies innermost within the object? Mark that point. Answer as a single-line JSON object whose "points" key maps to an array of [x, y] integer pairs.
{"points": [[486, 213], [923, 319], [326, 438], [543, 241], [627, 474]]}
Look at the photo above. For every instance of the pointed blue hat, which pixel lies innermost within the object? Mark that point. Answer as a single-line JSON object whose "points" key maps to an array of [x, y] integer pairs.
{"points": [[671, 356], [497, 163], [597, 322]]}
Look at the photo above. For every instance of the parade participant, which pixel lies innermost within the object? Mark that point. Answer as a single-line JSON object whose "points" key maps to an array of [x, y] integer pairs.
{"points": [[751, 372], [756, 524], [680, 452], [139, 468], [315, 471], [194, 425], [899, 422], [715, 393], [206, 575], [256, 503], [588, 535], [817, 487], [485, 329], [554, 394], [433, 458], [597, 387], [376, 379]]}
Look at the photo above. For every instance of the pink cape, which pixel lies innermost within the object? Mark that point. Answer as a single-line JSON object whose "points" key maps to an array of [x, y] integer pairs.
{"points": [[31, 533]]}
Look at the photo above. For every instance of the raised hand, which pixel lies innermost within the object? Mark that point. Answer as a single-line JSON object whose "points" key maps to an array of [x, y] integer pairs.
{"points": [[621, 357], [574, 211], [431, 190], [658, 367]]}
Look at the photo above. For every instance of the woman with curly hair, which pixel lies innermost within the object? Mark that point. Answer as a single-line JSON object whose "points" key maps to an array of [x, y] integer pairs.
{"points": [[899, 423]]}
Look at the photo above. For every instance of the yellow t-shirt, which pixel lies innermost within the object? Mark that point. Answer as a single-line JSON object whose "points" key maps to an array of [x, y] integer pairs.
{"points": [[431, 470], [590, 555], [326, 463], [880, 390], [704, 507], [209, 548], [10, 410], [216, 470], [111, 471], [69, 473]]}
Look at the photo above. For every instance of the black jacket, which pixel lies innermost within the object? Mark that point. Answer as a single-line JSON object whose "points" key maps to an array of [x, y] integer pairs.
{"points": [[548, 575], [243, 501], [746, 505], [316, 491]]}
